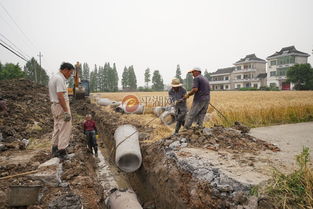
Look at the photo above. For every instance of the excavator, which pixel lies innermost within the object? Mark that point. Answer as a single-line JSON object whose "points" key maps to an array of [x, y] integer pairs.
{"points": [[81, 87]]}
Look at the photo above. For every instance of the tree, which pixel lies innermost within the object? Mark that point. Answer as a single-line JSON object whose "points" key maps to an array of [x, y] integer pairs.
{"points": [[125, 83], [36, 73], [147, 77], [178, 73], [114, 78], [85, 73], [157, 81], [10, 71], [302, 76], [206, 74], [188, 81], [132, 80]]}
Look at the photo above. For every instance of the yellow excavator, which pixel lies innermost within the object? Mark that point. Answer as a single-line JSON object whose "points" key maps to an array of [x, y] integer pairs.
{"points": [[81, 87]]}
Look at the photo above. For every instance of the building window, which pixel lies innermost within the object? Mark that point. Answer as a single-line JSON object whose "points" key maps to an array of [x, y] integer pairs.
{"points": [[238, 77], [226, 87], [272, 84], [282, 71], [273, 62], [255, 85], [238, 67], [248, 85], [226, 78], [273, 73], [238, 86]]}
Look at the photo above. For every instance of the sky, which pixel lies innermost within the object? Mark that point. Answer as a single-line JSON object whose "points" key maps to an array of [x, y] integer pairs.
{"points": [[155, 34]]}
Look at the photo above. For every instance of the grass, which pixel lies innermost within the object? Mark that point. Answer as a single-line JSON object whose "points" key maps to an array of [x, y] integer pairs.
{"points": [[295, 190], [252, 108]]}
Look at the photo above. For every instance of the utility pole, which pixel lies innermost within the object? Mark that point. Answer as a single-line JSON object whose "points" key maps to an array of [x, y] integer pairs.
{"points": [[39, 55]]}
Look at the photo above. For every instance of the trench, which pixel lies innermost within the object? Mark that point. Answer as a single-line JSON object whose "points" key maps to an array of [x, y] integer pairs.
{"points": [[172, 178]]}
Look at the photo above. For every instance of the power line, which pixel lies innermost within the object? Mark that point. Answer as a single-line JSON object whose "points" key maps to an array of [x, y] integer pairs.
{"points": [[23, 58], [16, 24], [12, 48], [17, 49]]}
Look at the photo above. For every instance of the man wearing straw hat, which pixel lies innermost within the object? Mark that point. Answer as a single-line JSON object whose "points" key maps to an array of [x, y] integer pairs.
{"points": [[201, 99], [176, 94]]}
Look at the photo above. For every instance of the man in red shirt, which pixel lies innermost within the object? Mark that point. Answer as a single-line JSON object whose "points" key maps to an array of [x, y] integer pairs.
{"points": [[90, 130]]}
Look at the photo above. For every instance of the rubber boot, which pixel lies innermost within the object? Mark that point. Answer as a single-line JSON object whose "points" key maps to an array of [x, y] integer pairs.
{"points": [[54, 151], [96, 151], [62, 154], [178, 125]]}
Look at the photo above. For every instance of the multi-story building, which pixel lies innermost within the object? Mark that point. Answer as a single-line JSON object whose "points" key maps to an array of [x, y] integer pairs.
{"points": [[221, 79], [247, 71], [280, 62]]}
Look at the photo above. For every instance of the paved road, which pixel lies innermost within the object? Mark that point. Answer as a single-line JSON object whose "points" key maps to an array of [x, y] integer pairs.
{"points": [[290, 138]]}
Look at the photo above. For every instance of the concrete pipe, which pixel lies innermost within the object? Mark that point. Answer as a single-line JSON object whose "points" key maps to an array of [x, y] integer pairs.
{"points": [[168, 117], [125, 109], [122, 199], [158, 111], [104, 102], [128, 155]]}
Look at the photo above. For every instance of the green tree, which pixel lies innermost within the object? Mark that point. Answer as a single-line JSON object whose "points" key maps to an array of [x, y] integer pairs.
{"points": [[35, 73], [206, 74], [125, 82], [114, 78], [10, 71], [132, 78], [188, 81], [157, 81], [178, 73], [302, 76], [85, 73], [147, 77]]}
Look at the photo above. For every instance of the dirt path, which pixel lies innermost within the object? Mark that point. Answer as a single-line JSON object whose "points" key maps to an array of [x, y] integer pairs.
{"points": [[290, 138]]}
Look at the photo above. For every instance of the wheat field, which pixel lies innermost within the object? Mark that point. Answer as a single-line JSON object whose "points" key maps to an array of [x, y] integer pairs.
{"points": [[252, 108]]}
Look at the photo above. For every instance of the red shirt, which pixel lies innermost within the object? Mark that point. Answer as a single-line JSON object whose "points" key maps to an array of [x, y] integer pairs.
{"points": [[90, 125]]}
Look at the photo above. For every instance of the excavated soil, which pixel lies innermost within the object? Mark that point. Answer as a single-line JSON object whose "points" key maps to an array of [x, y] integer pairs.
{"points": [[29, 118]]}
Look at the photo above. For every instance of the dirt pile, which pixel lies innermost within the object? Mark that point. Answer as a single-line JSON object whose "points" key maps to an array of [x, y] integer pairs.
{"points": [[219, 138], [28, 110]]}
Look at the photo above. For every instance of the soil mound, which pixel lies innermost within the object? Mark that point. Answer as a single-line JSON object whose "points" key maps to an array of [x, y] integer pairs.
{"points": [[28, 112]]}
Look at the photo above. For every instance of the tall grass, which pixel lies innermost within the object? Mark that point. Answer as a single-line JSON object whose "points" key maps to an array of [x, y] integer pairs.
{"points": [[253, 108], [295, 190]]}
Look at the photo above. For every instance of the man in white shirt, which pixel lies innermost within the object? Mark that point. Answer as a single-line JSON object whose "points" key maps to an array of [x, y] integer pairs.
{"points": [[61, 111]]}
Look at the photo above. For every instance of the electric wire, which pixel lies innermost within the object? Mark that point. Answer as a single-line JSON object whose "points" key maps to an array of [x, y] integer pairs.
{"points": [[16, 48], [6, 11], [11, 50]]}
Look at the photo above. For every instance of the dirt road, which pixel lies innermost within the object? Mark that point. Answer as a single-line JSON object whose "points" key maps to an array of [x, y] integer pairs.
{"points": [[290, 138]]}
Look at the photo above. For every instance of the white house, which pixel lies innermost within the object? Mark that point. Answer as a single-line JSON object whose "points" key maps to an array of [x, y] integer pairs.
{"points": [[221, 79], [279, 63], [247, 71]]}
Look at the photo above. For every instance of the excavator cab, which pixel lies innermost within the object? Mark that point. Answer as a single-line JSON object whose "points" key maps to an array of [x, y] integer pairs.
{"points": [[81, 88]]}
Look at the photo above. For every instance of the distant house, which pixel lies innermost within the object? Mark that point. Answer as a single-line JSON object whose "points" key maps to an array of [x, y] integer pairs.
{"points": [[280, 62], [247, 71], [220, 80]]}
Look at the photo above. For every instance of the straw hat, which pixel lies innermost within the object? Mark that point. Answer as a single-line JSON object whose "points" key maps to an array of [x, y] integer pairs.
{"points": [[195, 69], [176, 82]]}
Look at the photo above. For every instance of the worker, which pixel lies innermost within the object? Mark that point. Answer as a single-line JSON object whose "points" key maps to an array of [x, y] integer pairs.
{"points": [[176, 95], [61, 111], [201, 99], [90, 130], [3, 106]]}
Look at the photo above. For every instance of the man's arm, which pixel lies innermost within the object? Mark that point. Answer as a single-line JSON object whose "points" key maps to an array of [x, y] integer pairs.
{"points": [[62, 101]]}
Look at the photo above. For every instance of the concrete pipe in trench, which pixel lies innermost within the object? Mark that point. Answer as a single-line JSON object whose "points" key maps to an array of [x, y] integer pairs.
{"points": [[128, 155], [158, 111], [168, 117], [123, 199]]}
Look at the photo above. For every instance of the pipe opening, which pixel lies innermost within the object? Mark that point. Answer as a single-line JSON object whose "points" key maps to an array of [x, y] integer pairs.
{"points": [[129, 162]]}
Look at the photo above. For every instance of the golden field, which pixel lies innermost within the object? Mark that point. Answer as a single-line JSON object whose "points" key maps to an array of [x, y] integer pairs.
{"points": [[253, 108]]}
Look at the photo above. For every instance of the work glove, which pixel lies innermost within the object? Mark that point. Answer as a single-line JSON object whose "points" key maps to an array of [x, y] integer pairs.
{"points": [[67, 116], [186, 96], [97, 136]]}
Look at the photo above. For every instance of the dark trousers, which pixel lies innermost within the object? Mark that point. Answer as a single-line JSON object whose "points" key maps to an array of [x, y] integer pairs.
{"points": [[91, 141], [180, 114]]}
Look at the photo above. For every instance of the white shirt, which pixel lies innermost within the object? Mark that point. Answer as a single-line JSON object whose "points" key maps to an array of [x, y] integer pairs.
{"points": [[57, 84]]}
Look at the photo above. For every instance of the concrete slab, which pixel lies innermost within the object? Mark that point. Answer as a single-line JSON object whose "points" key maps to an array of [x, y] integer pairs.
{"points": [[290, 138]]}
